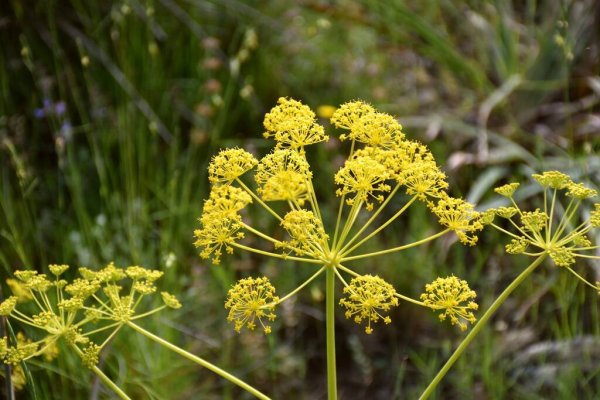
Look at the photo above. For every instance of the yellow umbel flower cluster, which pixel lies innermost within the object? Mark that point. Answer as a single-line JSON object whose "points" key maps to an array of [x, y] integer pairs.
{"points": [[283, 175], [381, 164], [221, 221], [454, 298], [368, 297], [77, 310], [293, 124], [229, 164], [562, 237], [251, 299]]}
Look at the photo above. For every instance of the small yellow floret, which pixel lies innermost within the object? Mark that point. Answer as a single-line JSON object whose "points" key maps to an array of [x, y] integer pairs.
{"points": [[306, 231], [507, 190], [8, 305], [251, 299], [283, 175], [368, 298], [378, 130], [230, 164], [562, 256], [459, 216], [454, 297], [552, 179], [580, 191], [58, 270], [595, 216], [365, 177], [293, 124], [534, 221], [348, 114], [170, 300]]}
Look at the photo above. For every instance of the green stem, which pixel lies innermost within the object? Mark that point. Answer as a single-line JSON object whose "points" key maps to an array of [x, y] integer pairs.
{"points": [[198, 360], [276, 255], [258, 199], [330, 327], [105, 378], [309, 280], [399, 248], [479, 325], [345, 249]]}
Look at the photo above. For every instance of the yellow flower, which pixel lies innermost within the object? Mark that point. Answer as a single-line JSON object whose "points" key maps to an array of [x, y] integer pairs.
{"points": [[58, 270], [459, 216], [534, 221], [230, 164], [377, 130], [170, 300], [19, 289], [580, 191], [454, 297], [325, 111], [506, 212], [562, 256], [8, 305], [424, 179], [224, 202], [364, 176], [368, 298], [552, 179], [517, 246], [220, 233], [283, 175], [293, 124], [595, 216], [349, 113], [306, 231], [251, 299], [507, 190], [221, 223]]}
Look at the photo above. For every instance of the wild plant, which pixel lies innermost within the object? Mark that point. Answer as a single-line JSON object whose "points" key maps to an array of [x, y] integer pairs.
{"points": [[86, 313], [555, 232], [383, 171]]}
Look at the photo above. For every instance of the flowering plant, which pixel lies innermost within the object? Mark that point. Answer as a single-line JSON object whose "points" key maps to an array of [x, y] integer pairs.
{"points": [[382, 163]]}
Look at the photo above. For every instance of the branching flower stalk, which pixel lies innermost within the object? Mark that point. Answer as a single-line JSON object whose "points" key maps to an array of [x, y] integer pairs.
{"points": [[383, 171], [86, 314], [539, 234]]}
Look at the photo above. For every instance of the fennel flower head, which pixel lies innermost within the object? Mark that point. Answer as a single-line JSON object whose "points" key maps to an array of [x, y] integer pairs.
{"points": [[84, 312], [556, 229], [383, 170]]}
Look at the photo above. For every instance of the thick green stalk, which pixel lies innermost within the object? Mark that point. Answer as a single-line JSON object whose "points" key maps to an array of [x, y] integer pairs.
{"points": [[479, 325], [330, 327], [199, 361]]}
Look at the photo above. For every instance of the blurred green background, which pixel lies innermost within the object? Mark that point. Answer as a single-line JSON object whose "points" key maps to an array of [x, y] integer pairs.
{"points": [[110, 112]]}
